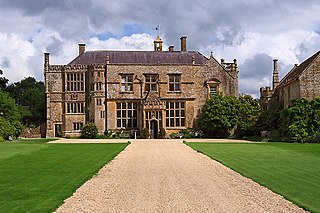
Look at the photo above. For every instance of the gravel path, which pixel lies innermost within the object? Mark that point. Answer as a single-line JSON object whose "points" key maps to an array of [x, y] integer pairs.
{"points": [[171, 177]]}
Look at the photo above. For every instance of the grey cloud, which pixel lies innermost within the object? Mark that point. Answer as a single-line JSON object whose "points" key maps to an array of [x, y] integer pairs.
{"points": [[258, 67], [204, 22], [55, 46], [5, 62]]}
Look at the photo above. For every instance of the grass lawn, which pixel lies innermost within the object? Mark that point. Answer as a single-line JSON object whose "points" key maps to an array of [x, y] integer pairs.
{"points": [[292, 170], [37, 177]]}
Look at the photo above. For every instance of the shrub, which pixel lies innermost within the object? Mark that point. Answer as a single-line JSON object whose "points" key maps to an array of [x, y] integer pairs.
{"points": [[162, 133], [89, 130], [145, 133]]}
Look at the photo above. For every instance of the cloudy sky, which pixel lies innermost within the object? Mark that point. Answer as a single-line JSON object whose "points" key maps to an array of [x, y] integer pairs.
{"points": [[252, 31]]}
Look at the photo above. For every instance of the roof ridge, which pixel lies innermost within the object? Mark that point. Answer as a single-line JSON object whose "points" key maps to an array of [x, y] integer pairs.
{"points": [[297, 70]]}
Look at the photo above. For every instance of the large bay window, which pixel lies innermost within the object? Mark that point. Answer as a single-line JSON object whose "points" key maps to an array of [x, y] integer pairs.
{"points": [[126, 114], [75, 82], [175, 114]]}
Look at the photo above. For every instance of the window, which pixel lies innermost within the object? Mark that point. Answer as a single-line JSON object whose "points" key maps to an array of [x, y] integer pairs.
{"points": [[75, 82], [175, 114], [126, 114], [126, 83], [174, 83], [75, 107], [213, 90], [98, 74], [99, 86], [99, 102], [151, 82], [102, 114], [77, 126]]}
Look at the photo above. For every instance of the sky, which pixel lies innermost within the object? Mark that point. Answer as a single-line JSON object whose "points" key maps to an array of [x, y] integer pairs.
{"points": [[252, 31]]}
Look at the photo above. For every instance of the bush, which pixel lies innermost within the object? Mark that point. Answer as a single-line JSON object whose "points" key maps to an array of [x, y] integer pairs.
{"points": [[162, 133], [89, 131], [145, 133]]}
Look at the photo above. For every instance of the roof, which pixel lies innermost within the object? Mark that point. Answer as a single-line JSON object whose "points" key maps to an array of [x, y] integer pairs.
{"points": [[296, 71], [139, 57]]}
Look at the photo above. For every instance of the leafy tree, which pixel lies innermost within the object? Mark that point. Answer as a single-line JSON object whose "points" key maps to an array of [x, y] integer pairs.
{"points": [[249, 111], [29, 94], [89, 130], [3, 81], [10, 124], [219, 115]]}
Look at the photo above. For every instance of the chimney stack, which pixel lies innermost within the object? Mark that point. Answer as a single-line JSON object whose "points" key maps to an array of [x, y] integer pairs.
{"points": [[183, 43], [82, 48], [171, 48], [275, 81]]}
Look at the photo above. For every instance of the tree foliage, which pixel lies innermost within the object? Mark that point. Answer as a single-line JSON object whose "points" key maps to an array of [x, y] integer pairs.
{"points": [[29, 94], [3, 81], [89, 130], [10, 124], [219, 115], [249, 111], [298, 123], [303, 120]]}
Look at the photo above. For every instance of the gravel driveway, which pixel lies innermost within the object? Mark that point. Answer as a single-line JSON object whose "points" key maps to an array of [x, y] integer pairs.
{"points": [[171, 177]]}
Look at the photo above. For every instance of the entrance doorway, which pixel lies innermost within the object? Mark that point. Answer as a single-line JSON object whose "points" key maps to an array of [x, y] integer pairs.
{"points": [[154, 129], [58, 131]]}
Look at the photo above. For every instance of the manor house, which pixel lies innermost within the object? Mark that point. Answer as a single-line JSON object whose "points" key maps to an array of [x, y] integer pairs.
{"points": [[133, 90], [302, 81]]}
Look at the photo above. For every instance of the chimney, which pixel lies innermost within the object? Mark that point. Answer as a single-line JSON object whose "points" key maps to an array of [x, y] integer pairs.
{"points": [[183, 43], [171, 48], [275, 81], [82, 48], [46, 58]]}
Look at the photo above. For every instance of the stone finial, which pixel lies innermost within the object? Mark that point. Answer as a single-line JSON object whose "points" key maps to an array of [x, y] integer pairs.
{"points": [[222, 60], [193, 60]]}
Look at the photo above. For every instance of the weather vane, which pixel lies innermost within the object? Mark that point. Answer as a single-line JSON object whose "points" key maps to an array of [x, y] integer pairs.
{"points": [[158, 30]]}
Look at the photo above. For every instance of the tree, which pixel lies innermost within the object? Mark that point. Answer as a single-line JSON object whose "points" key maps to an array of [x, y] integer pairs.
{"points": [[29, 94], [89, 130], [10, 124], [249, 111], [3, 81], [219, 115]]}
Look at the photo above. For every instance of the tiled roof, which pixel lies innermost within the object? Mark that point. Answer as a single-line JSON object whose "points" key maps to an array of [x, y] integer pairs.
{"points": [[139, 57], [296, 71]]}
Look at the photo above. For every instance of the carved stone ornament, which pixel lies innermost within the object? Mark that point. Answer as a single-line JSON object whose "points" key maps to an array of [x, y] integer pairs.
{"points": [[74, 96]]}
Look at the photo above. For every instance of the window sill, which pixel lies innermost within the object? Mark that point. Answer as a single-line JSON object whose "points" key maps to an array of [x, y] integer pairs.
{"points": [[126, 92], [174, 92]]}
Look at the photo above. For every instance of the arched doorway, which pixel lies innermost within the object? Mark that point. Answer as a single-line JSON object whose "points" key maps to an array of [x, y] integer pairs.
{"points": [[154, 129]]}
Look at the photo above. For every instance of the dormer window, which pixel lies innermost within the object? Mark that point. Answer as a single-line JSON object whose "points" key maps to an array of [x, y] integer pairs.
{"points": [[212, 86]]}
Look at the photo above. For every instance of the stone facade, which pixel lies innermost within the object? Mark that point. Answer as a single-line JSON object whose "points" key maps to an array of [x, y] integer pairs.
{"points": [[133, 90], [302, 81]]}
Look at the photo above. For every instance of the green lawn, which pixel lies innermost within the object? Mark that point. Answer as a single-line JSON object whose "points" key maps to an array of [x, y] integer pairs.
{"points": [[292, 170], [37, 177]]}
